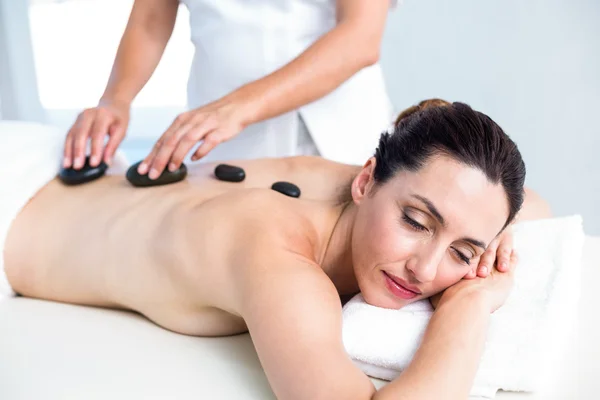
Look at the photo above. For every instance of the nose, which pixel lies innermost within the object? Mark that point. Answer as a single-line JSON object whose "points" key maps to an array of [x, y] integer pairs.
{"points": [[424, 264]]}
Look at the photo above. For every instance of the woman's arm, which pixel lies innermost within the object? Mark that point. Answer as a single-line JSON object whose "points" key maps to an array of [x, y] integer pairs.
{"points": [[353, 44], [293, 313], [445, 364]]}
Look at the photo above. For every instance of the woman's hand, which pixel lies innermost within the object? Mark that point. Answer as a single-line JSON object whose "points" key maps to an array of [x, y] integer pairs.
{"points": [[95, 124], [212, 124], [493, 289], [497, 254]]}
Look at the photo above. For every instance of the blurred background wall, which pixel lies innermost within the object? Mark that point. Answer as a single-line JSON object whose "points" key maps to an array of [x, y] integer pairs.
{"points": [[533, 66]]}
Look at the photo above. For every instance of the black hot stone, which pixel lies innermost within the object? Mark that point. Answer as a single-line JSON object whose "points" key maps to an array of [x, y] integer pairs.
{"points": [[229, 173], [165, 178], [87, 173], [289, 189]]}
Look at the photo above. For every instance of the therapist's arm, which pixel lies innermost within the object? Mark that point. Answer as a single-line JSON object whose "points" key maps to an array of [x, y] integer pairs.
{"points": [[353, 44], [148, 30]]}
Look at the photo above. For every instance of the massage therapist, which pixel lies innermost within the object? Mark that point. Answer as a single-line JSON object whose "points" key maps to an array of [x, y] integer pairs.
{"points": [[269, 78]]}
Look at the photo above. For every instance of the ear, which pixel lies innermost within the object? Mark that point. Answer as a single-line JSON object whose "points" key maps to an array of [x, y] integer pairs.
{"points": [[363, 183]]}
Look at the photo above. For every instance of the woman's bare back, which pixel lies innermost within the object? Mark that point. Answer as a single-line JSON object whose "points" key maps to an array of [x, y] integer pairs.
{"points": [[169, 252]]}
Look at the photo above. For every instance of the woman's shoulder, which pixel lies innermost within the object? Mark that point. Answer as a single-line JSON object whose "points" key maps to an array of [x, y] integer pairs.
{"points": [[267, 235], [321, 163], [270, 216], [261, 222]]}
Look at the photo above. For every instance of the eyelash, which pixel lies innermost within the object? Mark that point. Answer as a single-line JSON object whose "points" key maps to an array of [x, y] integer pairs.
{"points": [[417, 226], [464, 258]]}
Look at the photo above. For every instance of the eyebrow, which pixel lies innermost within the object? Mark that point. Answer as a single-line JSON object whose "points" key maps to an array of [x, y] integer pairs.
{"points": [[475, 242], [433, 210]]}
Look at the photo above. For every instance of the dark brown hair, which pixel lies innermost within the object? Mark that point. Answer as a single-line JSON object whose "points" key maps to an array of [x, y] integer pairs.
{"points": [[420, 107], [436, 127]]}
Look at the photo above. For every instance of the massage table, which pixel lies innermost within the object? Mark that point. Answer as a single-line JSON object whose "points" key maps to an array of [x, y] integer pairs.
{"points": [[52, 351]]}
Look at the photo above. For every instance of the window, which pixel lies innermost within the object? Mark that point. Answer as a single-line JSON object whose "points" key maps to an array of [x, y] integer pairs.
{"points": [[74, 43]]}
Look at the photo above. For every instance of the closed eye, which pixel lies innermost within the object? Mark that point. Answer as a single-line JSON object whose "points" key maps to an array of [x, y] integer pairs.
{"points": [[463, 258], [414, 224]]}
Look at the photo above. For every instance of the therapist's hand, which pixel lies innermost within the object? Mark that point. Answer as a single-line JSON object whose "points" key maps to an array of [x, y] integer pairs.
{"points": [[212, 124], [94, 124]]}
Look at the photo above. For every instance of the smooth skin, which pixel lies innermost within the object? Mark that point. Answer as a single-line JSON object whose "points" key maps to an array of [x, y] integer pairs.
{"points": [[352, 45], [210, 258]]}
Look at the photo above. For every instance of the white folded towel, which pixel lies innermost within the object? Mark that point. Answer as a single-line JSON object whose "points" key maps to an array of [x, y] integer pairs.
{"points": [[526, 334]]}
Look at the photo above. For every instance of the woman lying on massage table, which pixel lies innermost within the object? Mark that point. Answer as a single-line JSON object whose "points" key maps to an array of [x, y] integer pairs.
{"points": [[210, 258]]}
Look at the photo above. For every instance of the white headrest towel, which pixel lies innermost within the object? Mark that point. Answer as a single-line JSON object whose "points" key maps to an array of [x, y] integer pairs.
{"points": [[526, 334]]}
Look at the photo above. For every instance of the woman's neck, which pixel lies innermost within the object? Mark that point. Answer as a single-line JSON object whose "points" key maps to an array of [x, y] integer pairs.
{"points": [[336, 257]]}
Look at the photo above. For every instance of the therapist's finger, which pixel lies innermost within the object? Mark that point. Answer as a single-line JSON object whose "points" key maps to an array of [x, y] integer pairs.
{"points": [[163, 156], [98, 132], [149, 160], [211, 140], [183, 147], [80, 139], [186, 136], [68, 149], [69, 142], [146, 162], [189, 140], [116, 135]]}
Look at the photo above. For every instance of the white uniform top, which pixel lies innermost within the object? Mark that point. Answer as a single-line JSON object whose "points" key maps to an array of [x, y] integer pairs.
{"points": [[239, 41]]}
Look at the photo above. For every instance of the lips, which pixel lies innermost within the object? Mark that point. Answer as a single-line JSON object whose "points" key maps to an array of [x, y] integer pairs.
{"points": [[402, 283]]}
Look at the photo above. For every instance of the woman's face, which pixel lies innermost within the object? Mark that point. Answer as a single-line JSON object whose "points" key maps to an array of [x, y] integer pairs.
{"points": [[425, 229]]}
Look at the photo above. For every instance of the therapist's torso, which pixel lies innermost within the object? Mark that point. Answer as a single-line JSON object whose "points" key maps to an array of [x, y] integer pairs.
{"points": [[239, 41]]}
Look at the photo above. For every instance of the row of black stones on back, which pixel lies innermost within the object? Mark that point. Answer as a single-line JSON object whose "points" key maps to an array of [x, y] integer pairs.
{"points": [[223, 172], [231, 173]]}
